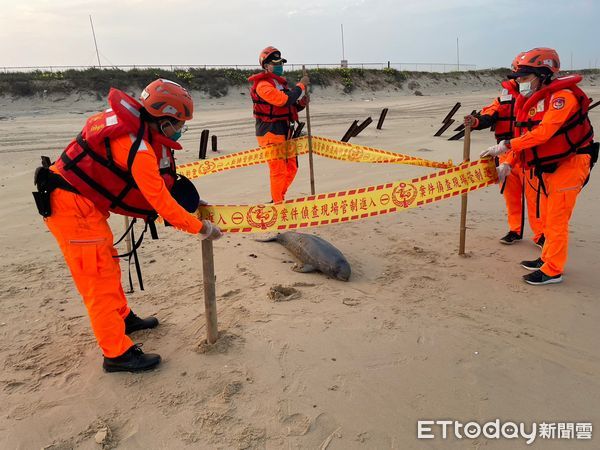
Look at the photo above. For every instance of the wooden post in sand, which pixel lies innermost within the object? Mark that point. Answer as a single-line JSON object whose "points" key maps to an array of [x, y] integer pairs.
{"points": [[362, 126], [203, 144], [384, 112], [309, 134], [210, 295], [350, 132], [463, 200]]}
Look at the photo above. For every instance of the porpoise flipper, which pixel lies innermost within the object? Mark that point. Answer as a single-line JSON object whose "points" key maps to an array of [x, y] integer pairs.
{"points": [[303, 268]]}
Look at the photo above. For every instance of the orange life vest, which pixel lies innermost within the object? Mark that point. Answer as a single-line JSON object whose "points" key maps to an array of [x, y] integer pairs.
{"points": [[505, 116], [88, 166], [263, 110], [576, 134]]}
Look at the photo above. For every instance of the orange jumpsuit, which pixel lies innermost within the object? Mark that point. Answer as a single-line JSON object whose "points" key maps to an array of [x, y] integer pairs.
{"points": [[86, 241], [513, 190], [282, 171], [562, 186]]}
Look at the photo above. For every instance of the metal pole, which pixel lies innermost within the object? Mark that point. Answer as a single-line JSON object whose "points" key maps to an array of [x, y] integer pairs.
{"points": [[457, 57], [210, 296], [95, 44], [571, 60], [463, 202], [309, 134], [343, 50]]}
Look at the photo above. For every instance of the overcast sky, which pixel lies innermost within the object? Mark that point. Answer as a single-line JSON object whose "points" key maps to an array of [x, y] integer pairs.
{"points": [[57, 32]]}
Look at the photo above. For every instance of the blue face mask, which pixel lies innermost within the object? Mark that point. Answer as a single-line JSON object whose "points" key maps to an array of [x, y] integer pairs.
{"points": [[175, 136], [278, 70]]}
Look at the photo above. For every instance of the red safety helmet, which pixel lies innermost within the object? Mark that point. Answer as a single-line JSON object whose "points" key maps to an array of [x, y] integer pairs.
{"points": [[166, 98], [541, 61], [270, 54], [514, 66]]}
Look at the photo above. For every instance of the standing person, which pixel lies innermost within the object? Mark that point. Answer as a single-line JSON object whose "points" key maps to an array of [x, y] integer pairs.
{"points": [[121, 162], [275, 108], [517, 182], [555, 139]]}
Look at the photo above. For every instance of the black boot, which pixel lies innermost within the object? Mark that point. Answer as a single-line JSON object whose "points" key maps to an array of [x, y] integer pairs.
{"points": [[133, 360], [135, 323], [510, 238]]}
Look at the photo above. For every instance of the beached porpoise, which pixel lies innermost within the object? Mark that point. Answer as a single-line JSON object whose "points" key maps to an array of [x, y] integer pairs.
{"points": [[315, 254]]}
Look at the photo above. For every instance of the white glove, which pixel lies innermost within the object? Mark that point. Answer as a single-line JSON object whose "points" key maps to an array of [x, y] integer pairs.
{"points": [[210, 231], [495, 150], [503, 171]]}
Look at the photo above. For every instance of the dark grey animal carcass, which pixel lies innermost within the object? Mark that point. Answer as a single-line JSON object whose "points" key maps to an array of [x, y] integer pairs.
{"points": [[315, 254]]}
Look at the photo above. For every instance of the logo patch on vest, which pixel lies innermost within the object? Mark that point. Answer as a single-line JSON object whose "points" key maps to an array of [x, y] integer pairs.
{"points": [[532, 112], [558, 103]]}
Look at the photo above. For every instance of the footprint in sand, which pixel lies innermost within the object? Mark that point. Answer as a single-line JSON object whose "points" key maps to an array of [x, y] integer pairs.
{"points": [[279, 293], [296, 424]]}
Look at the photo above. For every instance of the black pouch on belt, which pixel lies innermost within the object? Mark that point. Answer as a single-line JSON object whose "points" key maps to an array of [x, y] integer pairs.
{"points": [[46, 181], [42, 196]]}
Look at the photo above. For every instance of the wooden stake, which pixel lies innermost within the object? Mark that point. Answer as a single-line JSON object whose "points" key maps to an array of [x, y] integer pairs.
{"points": [[309, 134], [444, 127], [451, 112], [210, 296], [384, 112], [457, 136], [203, 144], [362, 126], [350, 132], [463, 202]]}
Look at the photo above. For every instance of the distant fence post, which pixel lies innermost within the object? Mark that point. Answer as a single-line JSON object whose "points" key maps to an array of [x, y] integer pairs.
{"points": [[203, 144]]}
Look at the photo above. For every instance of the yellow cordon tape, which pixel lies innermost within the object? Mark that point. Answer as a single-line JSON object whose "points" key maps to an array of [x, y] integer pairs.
{"points": [[290, 149], [355, 204]]}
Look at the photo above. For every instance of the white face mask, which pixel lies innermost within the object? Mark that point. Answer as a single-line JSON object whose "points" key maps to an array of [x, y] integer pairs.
{"points": [[525, 89]]}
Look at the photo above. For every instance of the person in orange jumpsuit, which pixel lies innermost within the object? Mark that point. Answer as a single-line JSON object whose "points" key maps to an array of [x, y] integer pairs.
{"points": [[555, 139], [82, 184], [275, 108], [500, 114]]}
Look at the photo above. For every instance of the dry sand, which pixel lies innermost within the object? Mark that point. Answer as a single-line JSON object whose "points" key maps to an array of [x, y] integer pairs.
{"points": [[417, 333]]}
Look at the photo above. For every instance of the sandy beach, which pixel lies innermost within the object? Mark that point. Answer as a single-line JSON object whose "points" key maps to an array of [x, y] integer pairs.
{"points": [[417, 333]]}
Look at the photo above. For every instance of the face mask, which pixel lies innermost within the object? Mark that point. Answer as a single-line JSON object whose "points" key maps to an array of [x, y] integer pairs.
{"points": [[175, 136], [527, 88], [278, 70]]}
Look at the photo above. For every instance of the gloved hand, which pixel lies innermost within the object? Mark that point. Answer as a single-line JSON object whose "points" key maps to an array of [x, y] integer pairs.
{"points": [[305, 80], [503, 171], [471, 121], [495, 150], [210, 231]]}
